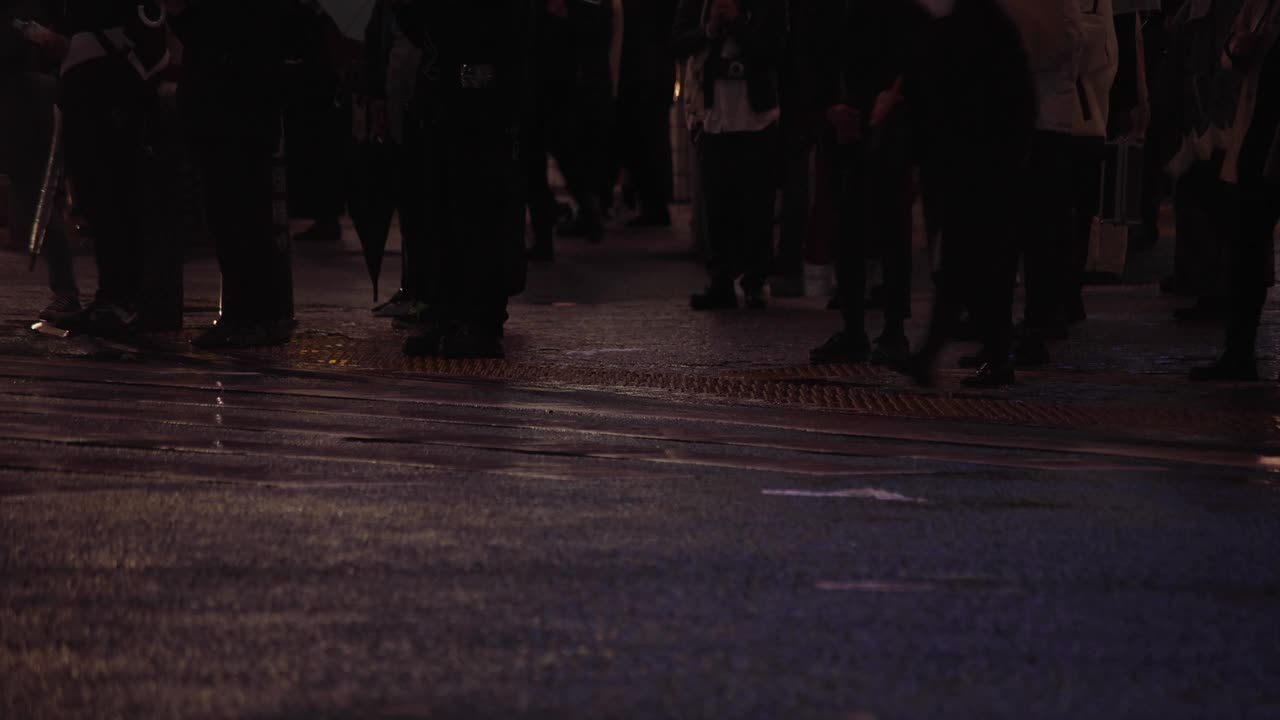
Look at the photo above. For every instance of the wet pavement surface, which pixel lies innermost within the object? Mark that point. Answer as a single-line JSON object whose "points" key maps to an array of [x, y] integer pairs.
{"points": [[642, 512]]}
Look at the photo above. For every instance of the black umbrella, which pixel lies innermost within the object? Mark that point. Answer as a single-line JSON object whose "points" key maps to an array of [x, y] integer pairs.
{"points": [[371, 199]]}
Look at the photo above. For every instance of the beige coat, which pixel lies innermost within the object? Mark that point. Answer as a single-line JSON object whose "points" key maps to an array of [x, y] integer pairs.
{"points": [[1252, 16], [1098, 66], [1053, 34]]}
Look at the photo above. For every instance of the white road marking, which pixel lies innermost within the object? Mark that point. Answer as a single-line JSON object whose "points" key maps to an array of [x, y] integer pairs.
{"points": [[859, 493]]}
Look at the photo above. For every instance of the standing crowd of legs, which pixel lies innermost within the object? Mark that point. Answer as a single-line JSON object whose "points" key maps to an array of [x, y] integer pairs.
{"points": [[996, 115]]}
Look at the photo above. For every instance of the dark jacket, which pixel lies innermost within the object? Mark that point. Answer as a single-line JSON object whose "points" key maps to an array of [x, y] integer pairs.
{"points": [[233, 74], [861, 48], [377, 51], [457, 33], [761, 33], [969, 92]]}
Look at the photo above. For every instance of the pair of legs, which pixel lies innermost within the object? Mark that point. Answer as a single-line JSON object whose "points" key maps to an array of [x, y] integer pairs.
{"points": [[104, 104], [644, 142], [978, 266], [239, 175], [875, 191], [473, 191], [797, 148], [737, 177]]}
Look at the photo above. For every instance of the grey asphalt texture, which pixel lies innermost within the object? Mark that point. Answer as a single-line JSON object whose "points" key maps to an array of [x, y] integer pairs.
{"points": [[205, 537]]}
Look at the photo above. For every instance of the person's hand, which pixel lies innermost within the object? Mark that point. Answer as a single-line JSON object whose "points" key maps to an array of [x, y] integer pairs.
{"points": [[1225, 61], [557, 8], [47, 40], [847, 122], [1139, 122], [886, 103]]}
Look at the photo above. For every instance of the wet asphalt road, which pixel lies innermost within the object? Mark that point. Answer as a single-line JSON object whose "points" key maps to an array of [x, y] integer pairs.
{"points": [[218, 537], [219, 542]]}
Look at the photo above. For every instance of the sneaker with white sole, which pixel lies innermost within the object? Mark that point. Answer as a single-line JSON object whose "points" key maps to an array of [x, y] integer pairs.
{"points": [[63, 306]]}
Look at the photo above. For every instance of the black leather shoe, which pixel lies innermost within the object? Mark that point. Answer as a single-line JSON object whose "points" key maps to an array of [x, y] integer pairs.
{"points": [[1226, 370], [974, 361], [842, 348], [427, 343], [890, 349], [991, 375], [714, 299]]}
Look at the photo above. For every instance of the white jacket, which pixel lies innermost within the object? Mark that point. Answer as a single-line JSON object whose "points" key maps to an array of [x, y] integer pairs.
{"points": [[1053, 35], [1098, 65]]}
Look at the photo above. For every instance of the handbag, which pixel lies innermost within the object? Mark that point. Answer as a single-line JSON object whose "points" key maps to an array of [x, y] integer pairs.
{"points": [[692, 93]]}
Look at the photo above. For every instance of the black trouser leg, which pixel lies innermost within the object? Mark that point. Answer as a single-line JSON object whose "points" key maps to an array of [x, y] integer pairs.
{"points": [[848, 164], [740, 190], [103, 132], [420, 256], [653, 169], [978, 264], [892, 199], [721, 197], [542, 201], [759, 157], [797, 145], [1252, 253], [475, 192], [238, 194], [580, 149], [1088, 189], [1047, 227]]}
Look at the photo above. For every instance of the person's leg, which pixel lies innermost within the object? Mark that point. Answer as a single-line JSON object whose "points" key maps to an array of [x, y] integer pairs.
{"points": [[542, 201], [1252, 271], [485, 208], [1088, 186], [238, 187], [758, 161], [657, 188], [418, 247], [722, 216], [103, 135], [895, 227], [847, 172], [797, 146]]}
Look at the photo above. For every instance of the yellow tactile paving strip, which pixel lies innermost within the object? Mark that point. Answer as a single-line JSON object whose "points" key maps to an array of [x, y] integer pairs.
{"points": [[819, 388]]}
